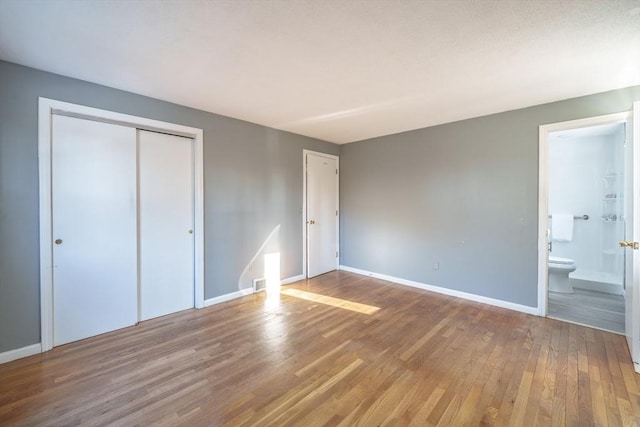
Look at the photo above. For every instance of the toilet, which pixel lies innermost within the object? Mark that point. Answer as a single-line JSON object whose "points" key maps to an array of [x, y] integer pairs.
{"points": [[559, 269]]}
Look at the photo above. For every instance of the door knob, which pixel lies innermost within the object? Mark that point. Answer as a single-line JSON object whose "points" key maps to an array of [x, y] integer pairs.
{"points": [[633, 245], [58, 241]]}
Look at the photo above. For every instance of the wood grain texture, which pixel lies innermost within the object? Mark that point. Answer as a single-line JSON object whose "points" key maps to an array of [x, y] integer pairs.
{"points": [[421, 359], [590, 308]]}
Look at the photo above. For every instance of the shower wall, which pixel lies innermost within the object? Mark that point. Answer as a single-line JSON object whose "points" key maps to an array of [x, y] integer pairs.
{"points": [[586, 177]]}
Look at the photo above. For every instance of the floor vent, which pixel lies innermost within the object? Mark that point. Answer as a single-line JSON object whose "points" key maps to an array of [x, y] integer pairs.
{"points": [[259, 285]]}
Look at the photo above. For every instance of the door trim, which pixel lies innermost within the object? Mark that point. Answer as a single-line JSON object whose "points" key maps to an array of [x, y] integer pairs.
{"points": [[632, 323], [46, 109], [305, 250], [543, 191]]}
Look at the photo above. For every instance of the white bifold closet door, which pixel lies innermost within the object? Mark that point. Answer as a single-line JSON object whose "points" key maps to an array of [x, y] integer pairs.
{"points": [[94, 228], [165, 223]]}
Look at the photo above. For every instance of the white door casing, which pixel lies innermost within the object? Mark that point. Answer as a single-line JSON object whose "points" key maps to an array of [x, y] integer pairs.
{"points": [[543, 192], [321, 213], [632, 217], [165, 223], [632, 234], [94, 228], [49, 108]]}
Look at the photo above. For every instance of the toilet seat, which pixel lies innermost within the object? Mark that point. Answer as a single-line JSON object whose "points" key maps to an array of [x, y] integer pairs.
{"points": [[560, 260]]}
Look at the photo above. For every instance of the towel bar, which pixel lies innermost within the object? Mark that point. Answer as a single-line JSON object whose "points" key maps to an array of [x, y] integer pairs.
{"points": [[585, 217]]}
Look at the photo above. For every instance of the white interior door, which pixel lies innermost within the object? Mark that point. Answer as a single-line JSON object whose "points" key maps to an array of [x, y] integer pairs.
{"points": [[632, 235], [166, 224], [93, 228], [322, 214]]}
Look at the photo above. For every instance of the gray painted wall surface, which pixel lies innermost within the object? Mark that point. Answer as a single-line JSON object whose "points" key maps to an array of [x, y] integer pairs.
{"points": [[463, 194], [253, 183]]}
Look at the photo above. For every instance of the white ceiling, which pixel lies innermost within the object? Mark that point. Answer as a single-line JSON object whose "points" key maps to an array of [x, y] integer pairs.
{"points": [[337, 70]]}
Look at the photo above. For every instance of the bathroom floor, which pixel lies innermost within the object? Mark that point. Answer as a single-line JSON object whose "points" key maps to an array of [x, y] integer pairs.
{"points": [[590, 308]]}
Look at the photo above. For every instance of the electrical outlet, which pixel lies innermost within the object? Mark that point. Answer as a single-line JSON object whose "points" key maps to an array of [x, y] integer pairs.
{"points": [[436, 266]]}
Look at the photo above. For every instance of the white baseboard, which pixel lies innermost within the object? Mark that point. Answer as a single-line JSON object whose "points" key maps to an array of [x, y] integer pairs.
{"points": [[292, 279], [445, 291], [243, 292], [19, 353], [228, 297]]}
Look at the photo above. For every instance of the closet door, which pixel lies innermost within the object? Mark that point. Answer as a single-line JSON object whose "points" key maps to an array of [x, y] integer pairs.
{"points": [[94, 228], [166, 224]]}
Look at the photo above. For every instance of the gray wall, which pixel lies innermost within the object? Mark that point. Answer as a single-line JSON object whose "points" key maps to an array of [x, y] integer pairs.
{"points": [[463, 195], [253, 183]]}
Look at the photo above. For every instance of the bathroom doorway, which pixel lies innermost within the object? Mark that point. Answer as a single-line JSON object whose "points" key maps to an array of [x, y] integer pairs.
{"points": [[586, 222], [589, 223], [609, 211]]}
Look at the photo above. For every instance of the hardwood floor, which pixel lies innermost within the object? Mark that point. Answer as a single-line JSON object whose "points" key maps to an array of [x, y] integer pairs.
{"points": [[419, 359]]}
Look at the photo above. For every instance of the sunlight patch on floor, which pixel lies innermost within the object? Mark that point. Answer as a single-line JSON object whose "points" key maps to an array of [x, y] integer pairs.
{"points": [[335, 302]]}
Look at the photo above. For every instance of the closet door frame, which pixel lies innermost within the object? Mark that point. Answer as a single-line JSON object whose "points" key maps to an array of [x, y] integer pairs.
{"points": [[46, 109]]}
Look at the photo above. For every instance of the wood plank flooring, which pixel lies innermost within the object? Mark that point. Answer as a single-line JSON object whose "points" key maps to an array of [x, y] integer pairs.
{"points": [[586, 307], [421, 359]]}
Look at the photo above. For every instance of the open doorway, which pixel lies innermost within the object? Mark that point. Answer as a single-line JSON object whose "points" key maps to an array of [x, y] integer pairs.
{"points": [[586, 223], [616, 208]]}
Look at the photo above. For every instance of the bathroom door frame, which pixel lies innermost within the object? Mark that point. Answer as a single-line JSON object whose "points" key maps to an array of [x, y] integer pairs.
{"points": [[543, 192]]}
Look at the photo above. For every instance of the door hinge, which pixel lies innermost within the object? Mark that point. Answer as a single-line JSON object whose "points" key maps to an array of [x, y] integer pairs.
{"points": [[336, 254], [336, 213], [336, 171]]}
